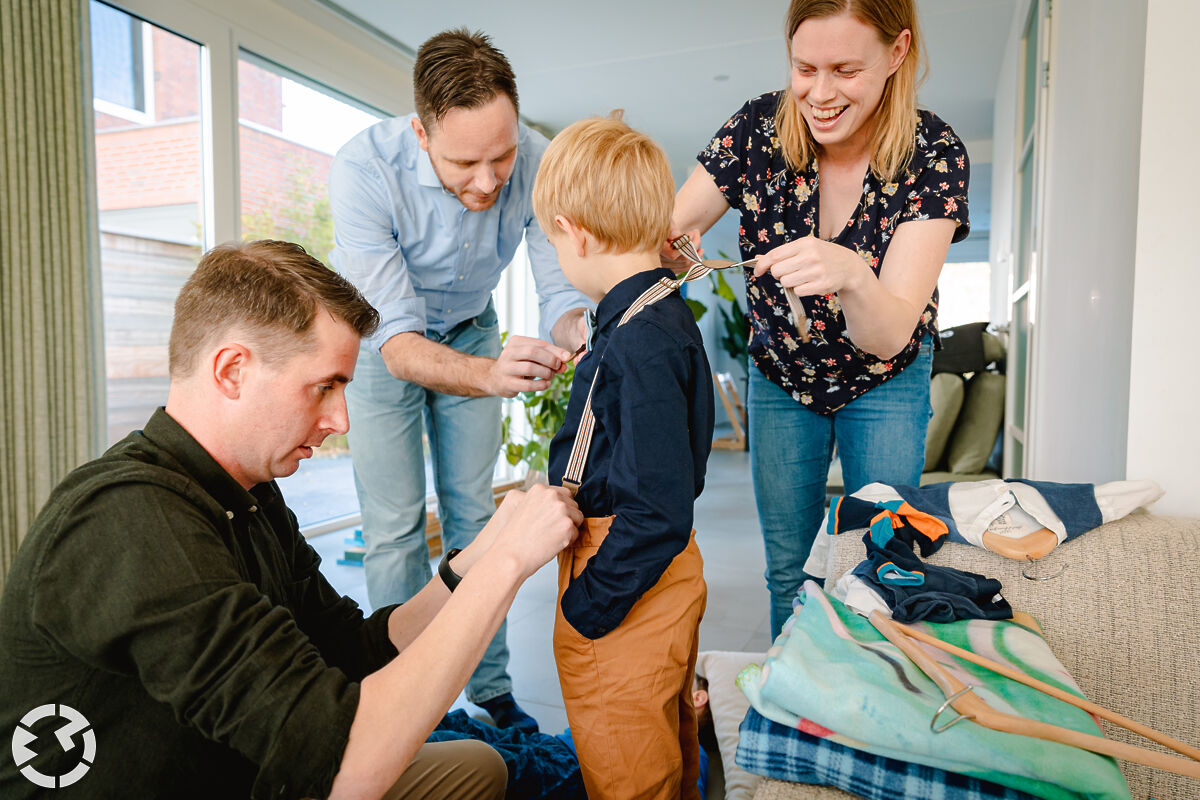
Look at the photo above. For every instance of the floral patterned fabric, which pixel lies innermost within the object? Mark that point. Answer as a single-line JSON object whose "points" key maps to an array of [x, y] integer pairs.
{"points": [[779, 205]]}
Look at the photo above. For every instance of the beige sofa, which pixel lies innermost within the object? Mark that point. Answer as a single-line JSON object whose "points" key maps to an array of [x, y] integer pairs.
{"points": [[1120, 617]]}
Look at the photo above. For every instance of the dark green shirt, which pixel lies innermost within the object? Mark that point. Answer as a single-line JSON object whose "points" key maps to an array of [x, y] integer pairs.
{"points": [[187, 620]]}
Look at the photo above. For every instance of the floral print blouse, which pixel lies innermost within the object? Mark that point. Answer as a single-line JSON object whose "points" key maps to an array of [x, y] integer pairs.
{"points": [[779, 205]]}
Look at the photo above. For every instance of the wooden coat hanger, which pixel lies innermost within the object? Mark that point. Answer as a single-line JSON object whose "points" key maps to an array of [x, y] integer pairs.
{"points": [[970, 706]]}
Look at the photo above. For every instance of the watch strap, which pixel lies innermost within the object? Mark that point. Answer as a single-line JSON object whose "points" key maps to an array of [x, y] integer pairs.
{"points": [[449, 576]]}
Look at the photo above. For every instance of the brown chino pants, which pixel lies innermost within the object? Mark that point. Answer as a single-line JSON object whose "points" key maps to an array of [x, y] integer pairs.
{"points": [[628, 695], [457, 770]]}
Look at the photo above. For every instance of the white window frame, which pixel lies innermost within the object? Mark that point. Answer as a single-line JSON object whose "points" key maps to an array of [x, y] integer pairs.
{"points": [[145, 117], [303, 36]]}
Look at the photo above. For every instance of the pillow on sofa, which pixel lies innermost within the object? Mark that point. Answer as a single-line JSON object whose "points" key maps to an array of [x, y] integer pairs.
{"points": [[946, 399], [978, 423], [728, 706], [993, 348]]}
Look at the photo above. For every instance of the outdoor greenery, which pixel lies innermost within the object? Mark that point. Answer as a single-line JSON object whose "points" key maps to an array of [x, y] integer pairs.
{"points": [[301, 215]]}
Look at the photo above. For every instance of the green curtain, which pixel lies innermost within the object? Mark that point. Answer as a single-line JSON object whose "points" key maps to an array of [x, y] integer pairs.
{"points": [[50, 407]]}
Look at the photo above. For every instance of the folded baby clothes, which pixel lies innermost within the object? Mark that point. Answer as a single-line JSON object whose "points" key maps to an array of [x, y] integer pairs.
{"points": [[916, 591]]}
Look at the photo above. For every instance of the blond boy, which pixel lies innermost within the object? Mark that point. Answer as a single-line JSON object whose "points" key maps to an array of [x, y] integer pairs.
{"points": [[632, 588]]}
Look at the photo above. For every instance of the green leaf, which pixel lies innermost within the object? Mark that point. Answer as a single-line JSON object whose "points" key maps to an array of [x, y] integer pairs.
{"points": [[722, 287], [545, 412], [697, 307]]}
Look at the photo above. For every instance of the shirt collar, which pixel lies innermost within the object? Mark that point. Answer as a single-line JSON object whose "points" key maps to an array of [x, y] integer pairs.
{"points": [[165, 432], [425, 173], [623, 295]]}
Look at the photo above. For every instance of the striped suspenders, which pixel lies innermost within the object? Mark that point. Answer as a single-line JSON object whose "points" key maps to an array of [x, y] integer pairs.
{"points": [[583, 437]]}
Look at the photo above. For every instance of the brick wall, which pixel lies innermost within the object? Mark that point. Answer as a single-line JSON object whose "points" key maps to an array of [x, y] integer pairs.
{"points": [[270, 167], [260, 95], [153, 166], [176, 76]]}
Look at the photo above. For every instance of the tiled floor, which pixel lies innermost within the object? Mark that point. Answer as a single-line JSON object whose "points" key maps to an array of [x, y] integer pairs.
{"points": [[737, 617]]}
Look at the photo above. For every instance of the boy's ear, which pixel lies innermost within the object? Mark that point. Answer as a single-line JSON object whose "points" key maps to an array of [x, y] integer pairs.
{"points": [[577, 235]]}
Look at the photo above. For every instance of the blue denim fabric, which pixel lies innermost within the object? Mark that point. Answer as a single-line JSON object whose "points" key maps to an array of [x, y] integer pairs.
{"points": [[386, 417], [540, 766], [880, 436], [1075, 504]]}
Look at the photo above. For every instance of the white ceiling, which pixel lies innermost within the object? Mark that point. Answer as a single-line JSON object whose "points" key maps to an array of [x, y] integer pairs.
{"points": [[679, 68]]}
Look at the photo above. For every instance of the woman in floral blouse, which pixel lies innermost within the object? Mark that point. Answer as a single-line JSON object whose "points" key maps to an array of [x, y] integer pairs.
{"points": [[850, 196]]}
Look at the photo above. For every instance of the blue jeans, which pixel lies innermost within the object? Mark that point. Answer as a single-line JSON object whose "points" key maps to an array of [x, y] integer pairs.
{"points": [[387, 417], [880, 436]]}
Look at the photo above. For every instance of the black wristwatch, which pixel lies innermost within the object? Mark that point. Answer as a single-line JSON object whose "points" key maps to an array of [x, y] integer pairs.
{"points": [[449, 576]]}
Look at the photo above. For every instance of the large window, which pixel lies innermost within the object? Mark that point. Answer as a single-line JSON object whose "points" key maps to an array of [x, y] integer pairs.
{"points": [[214, 121], [288, 133], [150, 189], [289, 130]]}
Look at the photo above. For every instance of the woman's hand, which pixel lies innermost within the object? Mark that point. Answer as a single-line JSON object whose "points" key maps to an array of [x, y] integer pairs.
{"points": [[812, 266], [672, 258]]}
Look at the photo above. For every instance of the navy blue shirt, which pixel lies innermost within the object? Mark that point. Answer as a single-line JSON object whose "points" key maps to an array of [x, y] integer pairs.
{"points": [[653, 404]]}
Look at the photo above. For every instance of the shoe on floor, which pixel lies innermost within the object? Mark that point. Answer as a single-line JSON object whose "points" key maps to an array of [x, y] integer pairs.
{"points": [[505, 712]]}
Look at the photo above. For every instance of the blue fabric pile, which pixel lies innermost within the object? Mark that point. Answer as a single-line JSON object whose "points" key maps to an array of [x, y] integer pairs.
{"points": [[540, 766]]}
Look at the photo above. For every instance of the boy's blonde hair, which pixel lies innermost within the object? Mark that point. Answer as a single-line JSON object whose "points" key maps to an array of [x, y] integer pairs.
{"points": [[610, 180]]}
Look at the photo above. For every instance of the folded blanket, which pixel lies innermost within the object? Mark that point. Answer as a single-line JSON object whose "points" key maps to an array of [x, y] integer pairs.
{"points": [[767, 748], [832, 667]]}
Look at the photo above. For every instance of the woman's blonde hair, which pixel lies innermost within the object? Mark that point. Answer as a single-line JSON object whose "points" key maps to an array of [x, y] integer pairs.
{"points": [[610, 180], [896, 118]]}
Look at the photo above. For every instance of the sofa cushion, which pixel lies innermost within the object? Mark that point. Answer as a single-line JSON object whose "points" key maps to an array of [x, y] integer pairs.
{"points": [[979, 421], [728, 706], [771, 789], [946, 399]]}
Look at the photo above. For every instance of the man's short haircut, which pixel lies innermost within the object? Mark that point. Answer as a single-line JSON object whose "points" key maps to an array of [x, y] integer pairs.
{"points": [[268, 290], [459, 69], [609, 179]]}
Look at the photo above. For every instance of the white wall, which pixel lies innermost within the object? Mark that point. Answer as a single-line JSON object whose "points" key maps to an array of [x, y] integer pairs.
{"points": [[1080, 368], [1003, 153], [1164, 428]]}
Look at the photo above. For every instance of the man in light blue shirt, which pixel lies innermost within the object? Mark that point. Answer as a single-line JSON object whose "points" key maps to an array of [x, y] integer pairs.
{"points": [[428, 209]]}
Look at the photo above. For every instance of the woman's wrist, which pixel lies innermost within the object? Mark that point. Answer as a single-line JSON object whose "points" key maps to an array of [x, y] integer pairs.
{"points": [[857, 274]]}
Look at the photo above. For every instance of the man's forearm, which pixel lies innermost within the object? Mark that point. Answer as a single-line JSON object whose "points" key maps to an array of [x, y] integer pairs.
{"points": [[411, 357], [400, 704], [409, 619]]}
